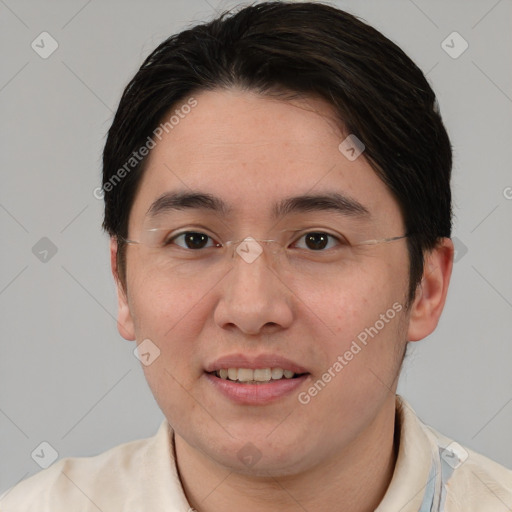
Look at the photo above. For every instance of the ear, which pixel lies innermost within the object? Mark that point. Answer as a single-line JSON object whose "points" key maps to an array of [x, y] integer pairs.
{"points": [[431, 292], [124, 318]]}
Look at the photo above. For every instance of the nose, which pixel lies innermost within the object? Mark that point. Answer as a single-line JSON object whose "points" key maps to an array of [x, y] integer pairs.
{"points": [[253, 298]]}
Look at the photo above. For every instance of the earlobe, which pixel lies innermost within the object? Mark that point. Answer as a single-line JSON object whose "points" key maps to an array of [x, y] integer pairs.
{"points": [[124, 318], [431, 294]]}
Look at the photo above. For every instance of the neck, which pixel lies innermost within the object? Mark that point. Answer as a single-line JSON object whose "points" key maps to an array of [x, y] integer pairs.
{"points": [[355, 478]]}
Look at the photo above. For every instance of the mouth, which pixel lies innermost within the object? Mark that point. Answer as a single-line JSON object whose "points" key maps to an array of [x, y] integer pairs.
{"points": [[256, 386], [255, 376], [255, 379]]}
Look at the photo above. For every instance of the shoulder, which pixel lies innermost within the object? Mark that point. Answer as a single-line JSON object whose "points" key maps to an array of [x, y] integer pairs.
{"points": [[458, 478], [473, 482], [89, 483]]}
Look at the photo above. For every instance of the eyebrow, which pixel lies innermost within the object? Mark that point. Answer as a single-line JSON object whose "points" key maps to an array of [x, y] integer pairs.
{"points": [[196, 200]]}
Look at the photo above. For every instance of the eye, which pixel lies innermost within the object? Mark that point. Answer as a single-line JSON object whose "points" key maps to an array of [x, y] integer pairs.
{"points": [[192, 240], [318, 240]]}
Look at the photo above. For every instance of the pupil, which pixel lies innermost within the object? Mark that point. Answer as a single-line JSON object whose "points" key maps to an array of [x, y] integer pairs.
{"points": [[316, 240], [196, 240]]}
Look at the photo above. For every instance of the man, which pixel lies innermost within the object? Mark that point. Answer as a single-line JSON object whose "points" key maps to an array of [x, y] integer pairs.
{"points": [[277, 191]]}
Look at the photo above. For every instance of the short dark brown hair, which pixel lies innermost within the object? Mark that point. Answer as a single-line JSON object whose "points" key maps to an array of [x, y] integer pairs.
{"points": [[377, 92]]}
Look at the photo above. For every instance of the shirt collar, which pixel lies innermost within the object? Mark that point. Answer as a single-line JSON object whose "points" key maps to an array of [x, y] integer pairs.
{"points": [[414, 486]]}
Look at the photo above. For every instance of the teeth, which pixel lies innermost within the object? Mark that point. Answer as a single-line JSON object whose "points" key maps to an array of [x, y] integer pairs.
{"points": [[263, 375], [245, 374], [257, 375], [277, 373]]}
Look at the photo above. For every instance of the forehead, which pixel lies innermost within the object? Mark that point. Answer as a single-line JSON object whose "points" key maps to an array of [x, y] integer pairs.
{"points": [[252, 151]]}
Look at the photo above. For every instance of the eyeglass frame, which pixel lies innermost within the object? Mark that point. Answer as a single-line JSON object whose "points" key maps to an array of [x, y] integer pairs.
{"points": [[236, 243]]}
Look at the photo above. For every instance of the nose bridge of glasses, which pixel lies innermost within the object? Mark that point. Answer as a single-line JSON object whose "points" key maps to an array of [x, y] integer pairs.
{"points": [[249, 249]]}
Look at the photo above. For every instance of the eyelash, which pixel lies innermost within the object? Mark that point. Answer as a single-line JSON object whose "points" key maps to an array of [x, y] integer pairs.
{"points": [[341, 242]]}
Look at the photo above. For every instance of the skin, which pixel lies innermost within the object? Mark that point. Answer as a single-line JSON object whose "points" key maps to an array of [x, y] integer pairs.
{"points": [[338, 451]]}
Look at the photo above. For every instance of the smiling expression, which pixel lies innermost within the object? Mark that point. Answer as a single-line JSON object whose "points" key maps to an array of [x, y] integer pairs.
{"points": [[252, 154]]}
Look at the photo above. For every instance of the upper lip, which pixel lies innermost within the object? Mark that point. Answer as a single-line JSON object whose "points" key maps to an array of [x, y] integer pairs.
{"points": [[254, 362]]}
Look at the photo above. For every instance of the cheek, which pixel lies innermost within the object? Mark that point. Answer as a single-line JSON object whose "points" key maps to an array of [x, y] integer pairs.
{"points": [[359, 327], [355, 300], [160, 303], [172, 316]]}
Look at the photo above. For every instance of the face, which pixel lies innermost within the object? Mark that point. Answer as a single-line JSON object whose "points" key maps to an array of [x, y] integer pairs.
{"points": [[338, 322]]}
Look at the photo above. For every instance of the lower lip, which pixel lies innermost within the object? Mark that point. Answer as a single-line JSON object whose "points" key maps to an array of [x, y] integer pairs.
{"points": [[256, 394]]}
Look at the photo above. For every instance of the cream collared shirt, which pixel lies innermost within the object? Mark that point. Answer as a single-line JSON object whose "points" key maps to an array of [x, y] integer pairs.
{"points": [[432, 474]]}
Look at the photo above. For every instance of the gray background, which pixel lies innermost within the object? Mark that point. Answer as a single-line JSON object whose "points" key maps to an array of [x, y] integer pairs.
{"points": [[66, 376]]}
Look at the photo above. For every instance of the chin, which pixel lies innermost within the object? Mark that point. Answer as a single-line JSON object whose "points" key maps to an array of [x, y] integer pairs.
{"points": [[262, 455], [265, 464]]}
